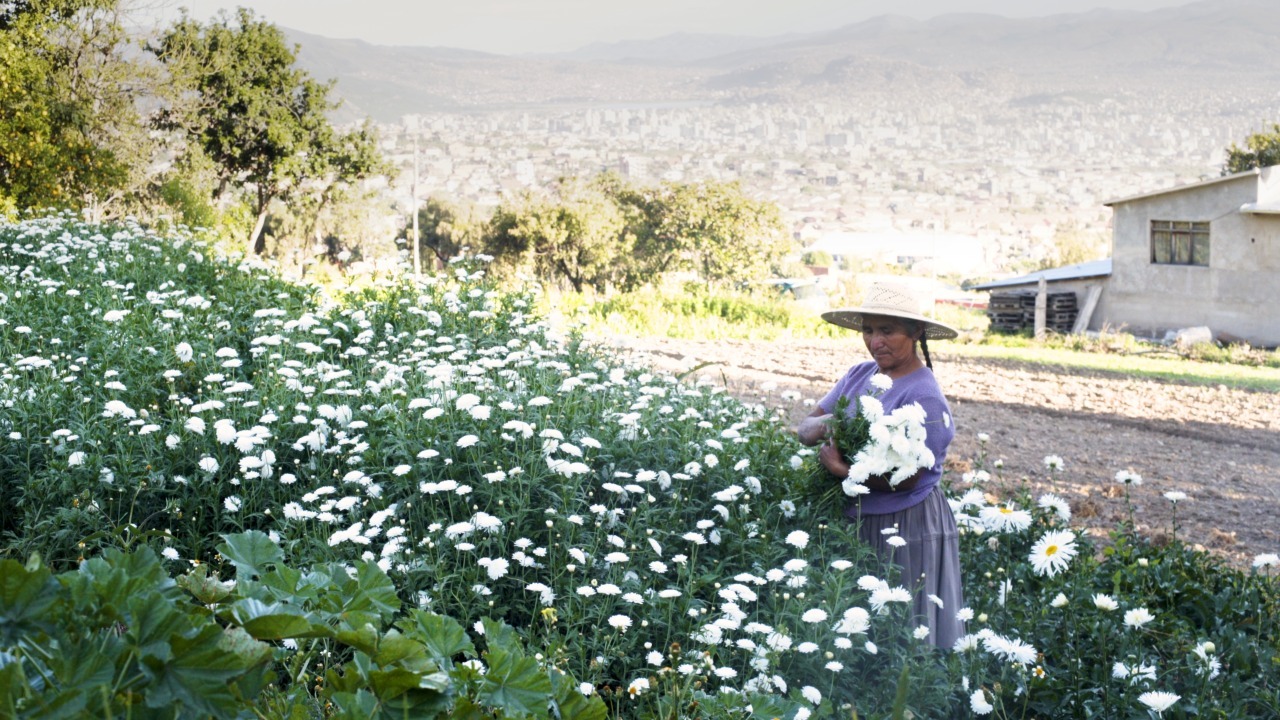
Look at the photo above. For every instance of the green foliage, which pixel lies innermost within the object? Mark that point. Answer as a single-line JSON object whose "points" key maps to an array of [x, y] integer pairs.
{"points": [[578, 237], [1260, 150], [609, 234], [236, 94], [698, 312], [432, 508], [68, 128], [118, 637], [446, 231], [818, 258]]}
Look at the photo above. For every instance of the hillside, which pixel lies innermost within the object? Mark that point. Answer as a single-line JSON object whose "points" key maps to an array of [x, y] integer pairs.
{"points": [[1213, 43]]}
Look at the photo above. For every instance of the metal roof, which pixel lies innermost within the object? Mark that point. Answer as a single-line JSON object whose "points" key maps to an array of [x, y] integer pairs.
{"points": [[1180, 188], [1093, 268], [1260, 208]]}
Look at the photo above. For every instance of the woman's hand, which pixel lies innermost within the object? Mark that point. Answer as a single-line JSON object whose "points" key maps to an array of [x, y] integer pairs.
{"points": [[833, 460], [814, 428]]}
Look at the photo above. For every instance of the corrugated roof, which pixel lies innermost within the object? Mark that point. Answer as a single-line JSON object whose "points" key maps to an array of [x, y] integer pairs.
{"points": [[1180, 188], [1093, 268]]}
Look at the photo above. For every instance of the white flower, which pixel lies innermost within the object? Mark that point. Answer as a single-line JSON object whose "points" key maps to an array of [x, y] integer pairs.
{"points": [[871, 648], [1159, 701], [1052, 463], [1266, 560], [75, 458], [921, 632], [1053, 552], [232, 503], [798, 539], [885, 595], [1055, 504], [638, 687], [1058, 601], [1124, 477], [978, 703], [467, 441], [114, 316], [209, 465], [1175, 496], [726, 673], [497, 568], [170, 553], [1105, 602], [620, 622], [1137, 617], [654, 658], [881, 382], [1005, 518], [897, 541], [814, 615]]}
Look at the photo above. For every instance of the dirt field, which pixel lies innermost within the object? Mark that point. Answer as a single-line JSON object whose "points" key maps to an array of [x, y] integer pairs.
{"points": [[1219, 446]]}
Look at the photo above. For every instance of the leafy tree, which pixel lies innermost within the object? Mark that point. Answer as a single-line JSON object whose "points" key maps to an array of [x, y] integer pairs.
{"points": [[577, 236], [444, 230], [239, 98], [710, 227], [69, 134], [1260, 150], [724, 235]]}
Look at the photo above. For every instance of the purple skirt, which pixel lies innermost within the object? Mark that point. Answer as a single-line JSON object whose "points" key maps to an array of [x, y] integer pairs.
{"points": [[929, 562]]}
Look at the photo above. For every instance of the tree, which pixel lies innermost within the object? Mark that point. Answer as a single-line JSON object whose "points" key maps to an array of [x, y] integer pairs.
{"points": [[69, 134], [709, 227], [1260, 150], [445, 230], [262, 121], [575, 236]]}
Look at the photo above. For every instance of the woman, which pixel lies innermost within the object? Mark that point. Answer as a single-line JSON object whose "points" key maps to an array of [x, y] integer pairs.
{"points": [[893, 328]]}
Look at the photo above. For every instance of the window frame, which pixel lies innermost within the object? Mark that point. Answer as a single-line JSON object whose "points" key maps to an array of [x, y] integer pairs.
{"points": [[1180, 242]]}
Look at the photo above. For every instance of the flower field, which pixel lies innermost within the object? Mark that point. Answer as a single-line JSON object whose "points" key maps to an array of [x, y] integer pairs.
{"points": [[234, 493]]}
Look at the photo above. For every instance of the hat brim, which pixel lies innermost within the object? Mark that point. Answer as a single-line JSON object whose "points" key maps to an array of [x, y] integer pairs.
{"points": [[852, 318]]}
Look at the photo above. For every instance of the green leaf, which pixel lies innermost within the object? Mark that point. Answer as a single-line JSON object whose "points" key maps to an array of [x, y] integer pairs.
{"points": [[443, 636], [25, 597], [359, 705], [396, 648], [199, 677], [251, 552], [500, 636], [376, 590], [206, 590], [275, 621], [515, 684], [388, 684], [571, 704], [365, 639]]}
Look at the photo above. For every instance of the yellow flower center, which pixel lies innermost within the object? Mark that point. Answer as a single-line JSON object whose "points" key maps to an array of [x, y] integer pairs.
{"points": [[1051, 551]]}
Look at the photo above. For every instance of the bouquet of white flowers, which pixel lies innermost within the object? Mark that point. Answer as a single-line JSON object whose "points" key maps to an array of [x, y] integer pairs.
{"points": [[874, 443]]}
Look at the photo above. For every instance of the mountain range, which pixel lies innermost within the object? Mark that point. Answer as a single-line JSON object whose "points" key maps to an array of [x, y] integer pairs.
{"points": [[1212, 43]]}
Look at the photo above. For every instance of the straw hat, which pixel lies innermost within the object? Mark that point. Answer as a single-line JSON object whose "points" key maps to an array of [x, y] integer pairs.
{"points": [[893, 300]]}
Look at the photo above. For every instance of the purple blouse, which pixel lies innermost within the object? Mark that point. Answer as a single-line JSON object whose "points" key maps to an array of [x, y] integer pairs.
{"points": [[921, 387]]}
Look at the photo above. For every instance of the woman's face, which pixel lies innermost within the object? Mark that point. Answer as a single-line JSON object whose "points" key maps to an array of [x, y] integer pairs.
{"points": [[891, 344]]}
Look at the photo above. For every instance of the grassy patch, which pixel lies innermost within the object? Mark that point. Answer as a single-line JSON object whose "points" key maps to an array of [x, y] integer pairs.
{"points": [[1170, 369]]}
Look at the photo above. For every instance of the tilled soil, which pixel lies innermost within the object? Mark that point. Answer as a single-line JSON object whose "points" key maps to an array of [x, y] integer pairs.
{"points": [[1218, 445]]}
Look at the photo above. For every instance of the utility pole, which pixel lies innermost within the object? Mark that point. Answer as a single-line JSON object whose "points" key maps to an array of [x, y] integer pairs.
{"points": [[417, 238]]}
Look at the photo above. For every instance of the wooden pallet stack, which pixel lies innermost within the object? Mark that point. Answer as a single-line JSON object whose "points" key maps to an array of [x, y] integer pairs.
{"points": [[1016, 311], [1005, 312]]}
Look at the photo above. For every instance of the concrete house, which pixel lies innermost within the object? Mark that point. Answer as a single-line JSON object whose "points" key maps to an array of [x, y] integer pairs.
{"points": [[1201, 254], [1205, 254]]}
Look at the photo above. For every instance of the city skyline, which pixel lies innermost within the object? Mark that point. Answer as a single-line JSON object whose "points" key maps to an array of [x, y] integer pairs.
{"points": [[548, 26]]}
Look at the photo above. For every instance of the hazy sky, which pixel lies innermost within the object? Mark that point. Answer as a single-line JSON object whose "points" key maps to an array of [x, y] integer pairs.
{"points": [[516, 26]]}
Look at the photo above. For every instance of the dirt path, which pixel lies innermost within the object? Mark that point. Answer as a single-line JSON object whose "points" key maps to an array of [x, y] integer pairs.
{"points": [[1218, 445]]}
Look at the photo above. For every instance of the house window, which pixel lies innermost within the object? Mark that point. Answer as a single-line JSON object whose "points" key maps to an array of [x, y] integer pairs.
{"points": [[1176, 242]]}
